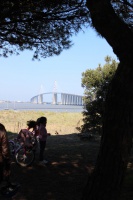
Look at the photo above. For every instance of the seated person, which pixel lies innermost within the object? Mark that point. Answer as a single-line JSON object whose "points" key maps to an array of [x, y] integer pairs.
{"points": [[27, 136]]}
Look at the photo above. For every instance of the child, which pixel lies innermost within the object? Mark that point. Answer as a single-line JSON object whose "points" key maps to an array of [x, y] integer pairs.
{"points": [[42, 121], [26, 135]]}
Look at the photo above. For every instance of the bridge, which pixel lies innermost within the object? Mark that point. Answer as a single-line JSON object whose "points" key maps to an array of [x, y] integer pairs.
{"points": [[58, 98]]}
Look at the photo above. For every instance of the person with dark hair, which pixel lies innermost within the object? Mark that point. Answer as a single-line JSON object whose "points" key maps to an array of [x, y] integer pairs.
{"points": [[25, 135], [31, 124], [4, 154], [10, 189], [42, 121]]}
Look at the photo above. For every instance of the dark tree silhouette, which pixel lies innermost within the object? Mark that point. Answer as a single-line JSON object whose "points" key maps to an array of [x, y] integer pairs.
{"points": [[113, 23], [42, 26]]}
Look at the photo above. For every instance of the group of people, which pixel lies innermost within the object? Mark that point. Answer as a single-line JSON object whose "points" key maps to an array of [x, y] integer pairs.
{"points": [[34, 128]]}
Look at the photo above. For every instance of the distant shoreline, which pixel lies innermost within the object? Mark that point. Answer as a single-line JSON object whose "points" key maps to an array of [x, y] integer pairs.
{"points": [[8, 105]]}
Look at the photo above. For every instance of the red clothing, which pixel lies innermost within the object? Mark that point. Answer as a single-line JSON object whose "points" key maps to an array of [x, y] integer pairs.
{"points": [[25, 136], [42, 132]]}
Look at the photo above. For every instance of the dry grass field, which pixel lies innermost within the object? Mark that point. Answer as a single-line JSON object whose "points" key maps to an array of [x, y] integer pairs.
{"points": [[62, 122], [70, 159]]}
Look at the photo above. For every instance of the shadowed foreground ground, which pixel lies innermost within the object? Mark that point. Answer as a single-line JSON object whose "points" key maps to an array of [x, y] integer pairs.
{"points": [[70, 161]]}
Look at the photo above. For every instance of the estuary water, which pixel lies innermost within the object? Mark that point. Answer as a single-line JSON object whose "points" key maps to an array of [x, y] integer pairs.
{"points": [[39, 107]]}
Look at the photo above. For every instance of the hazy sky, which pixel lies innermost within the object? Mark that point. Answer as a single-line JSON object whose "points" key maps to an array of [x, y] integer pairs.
{"points": [[21, 78]]}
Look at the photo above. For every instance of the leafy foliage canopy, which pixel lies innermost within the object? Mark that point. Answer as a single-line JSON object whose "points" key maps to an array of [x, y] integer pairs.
{"points": [[96, 83]]}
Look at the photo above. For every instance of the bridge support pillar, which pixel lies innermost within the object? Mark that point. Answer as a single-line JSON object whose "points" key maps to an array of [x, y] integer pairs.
{"points": [[40, 98], [54, 98]]}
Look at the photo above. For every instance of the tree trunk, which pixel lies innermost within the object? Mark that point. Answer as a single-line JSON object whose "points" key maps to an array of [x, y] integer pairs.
{"points": [[106, 181]]}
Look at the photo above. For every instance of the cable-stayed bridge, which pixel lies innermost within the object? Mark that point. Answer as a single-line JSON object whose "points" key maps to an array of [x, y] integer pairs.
{"points": [[58, 98]]}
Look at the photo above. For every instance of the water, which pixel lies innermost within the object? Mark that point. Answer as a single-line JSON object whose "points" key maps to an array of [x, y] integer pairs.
{"points": [[40, 107]]}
